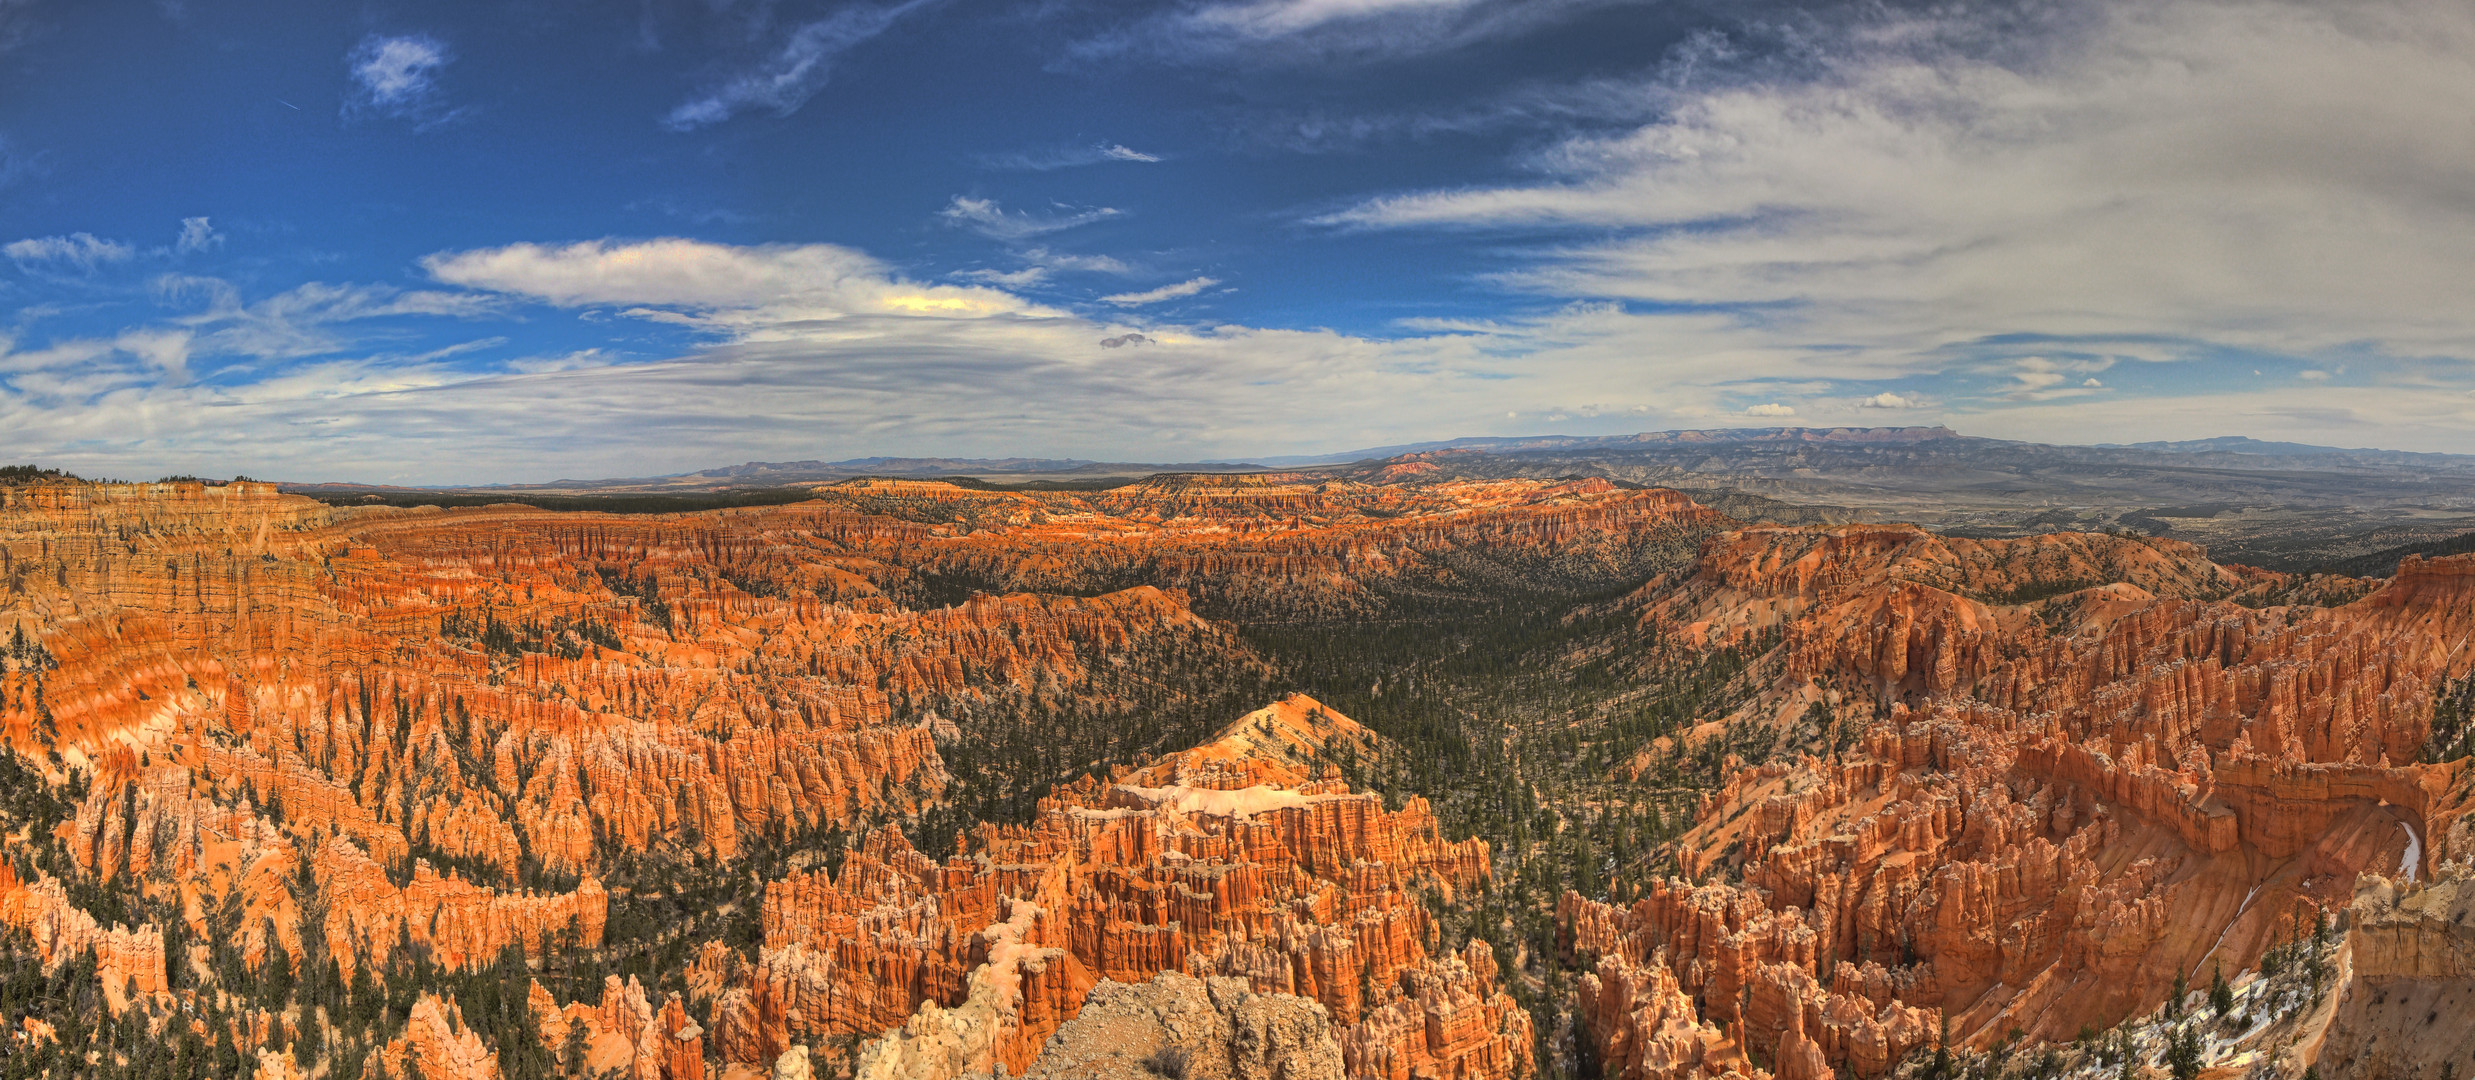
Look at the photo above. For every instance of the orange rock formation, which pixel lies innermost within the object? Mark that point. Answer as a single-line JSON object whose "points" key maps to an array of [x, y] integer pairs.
{"points": [[1225, 860], [124, 958], [2087, 766], [436, 1045], [488, 705]]}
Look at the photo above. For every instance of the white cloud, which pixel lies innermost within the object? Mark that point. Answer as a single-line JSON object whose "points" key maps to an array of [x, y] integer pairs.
{"points": [[2037, 380], [985, 217], [165, 350], [2041, 378], [1771, 409], [196, 234], [574, 361], [1273, 18], [1888, 400], [795, 71], [306, 320], [1044, 265], [56, 356], [719, 287], [1178, 291], [1025, 278], [2262, 174], [1069, 157], [83, 251], [1085, 264], [1311, 30], [74, 370], [397, 70], [398, 76]]}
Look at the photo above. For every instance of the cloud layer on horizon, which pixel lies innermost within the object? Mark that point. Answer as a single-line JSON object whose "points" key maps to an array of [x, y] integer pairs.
{"points": [[800, 350]]}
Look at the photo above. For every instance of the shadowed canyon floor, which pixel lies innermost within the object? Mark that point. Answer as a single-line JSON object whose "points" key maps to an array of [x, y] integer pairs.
{"points": [[1403, 776]]}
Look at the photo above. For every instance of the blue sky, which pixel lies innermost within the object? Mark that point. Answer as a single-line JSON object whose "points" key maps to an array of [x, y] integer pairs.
{"points": [[435, 243]]}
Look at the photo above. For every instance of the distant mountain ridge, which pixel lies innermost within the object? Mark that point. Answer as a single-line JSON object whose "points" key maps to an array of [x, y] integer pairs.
{"points": [[2281, 505], [1517, 443], [1865, 443], [2244, 444], [795, 473]]}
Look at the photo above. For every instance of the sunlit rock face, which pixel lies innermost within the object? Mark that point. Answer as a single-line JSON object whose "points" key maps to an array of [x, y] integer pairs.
{"points": [[2072, 766]]}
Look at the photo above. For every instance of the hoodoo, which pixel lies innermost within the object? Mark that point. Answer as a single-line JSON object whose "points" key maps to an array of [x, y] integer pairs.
{"points": [[920, 780]]}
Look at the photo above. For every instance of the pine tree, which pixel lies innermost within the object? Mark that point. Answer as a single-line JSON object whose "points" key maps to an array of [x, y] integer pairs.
{"points": [[2183, 1054], [2221, 997], [579, 1042]]}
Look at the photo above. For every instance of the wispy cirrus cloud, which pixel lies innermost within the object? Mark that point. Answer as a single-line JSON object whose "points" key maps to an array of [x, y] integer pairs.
{"points": [[1277, 18], [1179, 291], [84, 252], [303, 322], [16, 23], [306, 320], [793, 71], [114, 386], [1043, 264], [988, 219], [1025, 278], [1068, 157], [197, 234], [1593, 104], [397, 76], [1308, 30]]}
